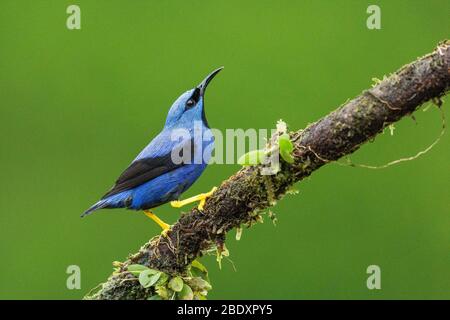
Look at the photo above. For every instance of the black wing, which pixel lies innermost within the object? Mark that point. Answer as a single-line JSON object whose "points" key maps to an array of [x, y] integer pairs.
{"points": [[146, 169]]}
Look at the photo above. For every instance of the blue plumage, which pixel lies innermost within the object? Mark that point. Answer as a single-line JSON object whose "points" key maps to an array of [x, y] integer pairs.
{"points": [[171, 162]]}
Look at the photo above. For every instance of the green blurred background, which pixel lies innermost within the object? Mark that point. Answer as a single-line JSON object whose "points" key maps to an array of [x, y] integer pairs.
{"points": [[76, 106]]}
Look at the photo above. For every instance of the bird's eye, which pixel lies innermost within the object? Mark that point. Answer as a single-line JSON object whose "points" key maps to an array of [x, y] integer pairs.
{"points": [[190, 103]]}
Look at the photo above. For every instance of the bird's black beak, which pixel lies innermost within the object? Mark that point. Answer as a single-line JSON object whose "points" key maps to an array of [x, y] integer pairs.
{"points": [[202, 86]]}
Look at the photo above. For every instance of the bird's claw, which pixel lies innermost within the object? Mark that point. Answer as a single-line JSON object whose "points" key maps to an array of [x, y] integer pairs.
{"points": [[200, 197], [176, 204], [201, 204], [204, 197], [164, 232], [210, 193]]}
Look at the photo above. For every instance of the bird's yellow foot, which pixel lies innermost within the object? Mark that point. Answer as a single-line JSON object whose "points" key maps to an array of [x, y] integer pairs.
{"points": [[161, 223], [200, 197]]}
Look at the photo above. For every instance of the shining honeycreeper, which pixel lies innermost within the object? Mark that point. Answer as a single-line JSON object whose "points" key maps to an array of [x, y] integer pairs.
{"points": [[154, 177]]}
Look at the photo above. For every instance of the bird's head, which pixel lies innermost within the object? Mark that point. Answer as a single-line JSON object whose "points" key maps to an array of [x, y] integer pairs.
{"points": [[189, 107]]}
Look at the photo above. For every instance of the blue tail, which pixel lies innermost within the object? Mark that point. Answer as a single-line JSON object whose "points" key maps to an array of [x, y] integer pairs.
{"points": [[99, 205]]}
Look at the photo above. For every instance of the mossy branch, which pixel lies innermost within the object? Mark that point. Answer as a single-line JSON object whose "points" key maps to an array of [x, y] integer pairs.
{"points": [[240, 197]]}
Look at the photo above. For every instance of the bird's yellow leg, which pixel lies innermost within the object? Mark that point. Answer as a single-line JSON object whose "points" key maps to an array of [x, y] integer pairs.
{"points": [[200, 197], [161, 223]]}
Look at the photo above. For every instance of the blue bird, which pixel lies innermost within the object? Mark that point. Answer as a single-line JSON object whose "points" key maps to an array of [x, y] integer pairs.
{"points": [[170, 163]]}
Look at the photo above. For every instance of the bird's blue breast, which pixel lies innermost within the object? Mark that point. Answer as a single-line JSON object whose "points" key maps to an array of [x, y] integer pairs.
{"points": [[171, 185]]}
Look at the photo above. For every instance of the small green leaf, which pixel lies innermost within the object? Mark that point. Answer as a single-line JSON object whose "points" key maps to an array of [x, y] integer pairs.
{"points": [[155, 297], [176, 284], [163, 279], [198, 273], [163, 292], [198, 284], [199, 266], [252, 158], [285, 143], [287, 157], [199, 296], [147, 278], [286, 148], [136, 269], [185, 293]]}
